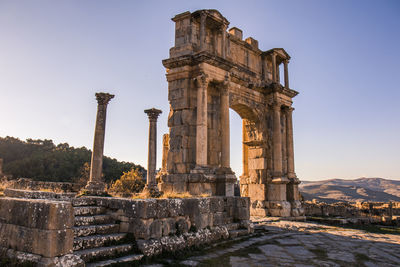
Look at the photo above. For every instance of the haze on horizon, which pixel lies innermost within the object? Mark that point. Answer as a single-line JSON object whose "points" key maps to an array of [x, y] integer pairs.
{"points": [[54, 55]]}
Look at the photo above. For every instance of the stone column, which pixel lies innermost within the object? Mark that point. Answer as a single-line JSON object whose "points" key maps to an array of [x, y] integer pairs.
{"points": [[289, 143], [201, 128], [225, 151], [285, 65], [245, 151], [202, 35], [273, 67], [151, 185], [96, 185], [223, 43], [1, 166], [277, 141]]}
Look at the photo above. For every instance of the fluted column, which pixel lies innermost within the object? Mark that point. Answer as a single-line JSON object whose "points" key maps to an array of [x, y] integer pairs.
{"points": [[201, 127], [277, 140], [289, 143], [152, 153], [285, 66], [202, 35], [273, 67], [225, 149], [96, 184]]}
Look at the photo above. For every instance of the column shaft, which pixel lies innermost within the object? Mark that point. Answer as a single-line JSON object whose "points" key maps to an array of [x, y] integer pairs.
{"points": [[225, 149], [277, 141], [96, 184], [152, 153], [273, 68], [245, 150], [285, 64], [202, 34], [201, 128], [223, 43], [289, 143]]}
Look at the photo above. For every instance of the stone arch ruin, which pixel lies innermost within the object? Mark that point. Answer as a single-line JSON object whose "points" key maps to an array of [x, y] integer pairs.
{"points": [[209, 71]]}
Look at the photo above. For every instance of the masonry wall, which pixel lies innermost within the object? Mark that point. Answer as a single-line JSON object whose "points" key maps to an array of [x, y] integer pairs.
{"points": [[36, 230], [376, 211], [164, 225]]}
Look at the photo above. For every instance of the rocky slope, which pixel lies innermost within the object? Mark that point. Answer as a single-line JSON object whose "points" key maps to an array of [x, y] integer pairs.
{"points": [[362, 189]]}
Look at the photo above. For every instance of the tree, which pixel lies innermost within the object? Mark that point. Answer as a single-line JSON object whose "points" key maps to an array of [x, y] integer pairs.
{"points": [[130, 182]]}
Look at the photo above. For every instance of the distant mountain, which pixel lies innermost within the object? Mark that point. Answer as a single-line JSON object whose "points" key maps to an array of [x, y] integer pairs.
{"points": [[362, 189]]}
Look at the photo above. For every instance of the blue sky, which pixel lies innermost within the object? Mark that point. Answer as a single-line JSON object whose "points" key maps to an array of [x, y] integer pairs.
{"points": [[54, 55]]}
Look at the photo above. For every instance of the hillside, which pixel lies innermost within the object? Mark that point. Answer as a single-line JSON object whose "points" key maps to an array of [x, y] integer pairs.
{"points": [[43, 160], [362, 189]]}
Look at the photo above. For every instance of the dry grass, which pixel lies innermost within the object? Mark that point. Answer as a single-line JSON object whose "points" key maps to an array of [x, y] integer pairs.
{"points": [[56, 190]]}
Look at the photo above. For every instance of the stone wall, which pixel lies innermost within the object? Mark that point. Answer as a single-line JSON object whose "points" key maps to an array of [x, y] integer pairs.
{"points": [[373, 211], [29, 184], [165, 225], [39, 231], [42, 229]]}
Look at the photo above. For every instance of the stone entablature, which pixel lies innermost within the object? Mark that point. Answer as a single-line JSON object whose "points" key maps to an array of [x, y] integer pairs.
{"points": [[209, 71]]}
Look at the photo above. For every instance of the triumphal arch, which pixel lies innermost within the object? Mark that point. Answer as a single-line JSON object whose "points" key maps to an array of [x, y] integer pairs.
{"points": [[212, 69]]}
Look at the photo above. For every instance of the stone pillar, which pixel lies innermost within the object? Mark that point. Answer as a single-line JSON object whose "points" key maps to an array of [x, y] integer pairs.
{"points": [[165, 153], [289, 143], [96, 185], [223, 43], [274, 68], [277, 141], [1, 166], [151, 185], [225, 151], [202, 35], [201, 128], [285, 65], [245, 150]]}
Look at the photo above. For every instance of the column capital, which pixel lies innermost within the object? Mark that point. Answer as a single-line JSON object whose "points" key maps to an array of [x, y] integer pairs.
{"points": [[289, 110], [202, 80], [286, 61], [276, 106], [103, 98], [153, 113]]}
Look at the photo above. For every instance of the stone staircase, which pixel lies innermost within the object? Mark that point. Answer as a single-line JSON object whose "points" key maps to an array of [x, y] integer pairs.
{"points": [[97, 239]]}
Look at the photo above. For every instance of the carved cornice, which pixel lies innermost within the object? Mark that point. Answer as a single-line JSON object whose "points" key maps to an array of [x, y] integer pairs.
{"points": [[103, 98]]}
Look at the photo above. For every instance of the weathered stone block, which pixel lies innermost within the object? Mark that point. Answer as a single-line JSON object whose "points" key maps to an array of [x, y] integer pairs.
{"points": [[140, 228], [258, 191], [48, 243], [175, 207], [182, 225], [37, 213], [168, 226], [156, 229], [217, 204]]}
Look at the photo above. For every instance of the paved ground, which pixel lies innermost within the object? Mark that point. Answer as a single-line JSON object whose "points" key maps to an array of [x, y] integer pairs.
{"points": [[285, 243]]}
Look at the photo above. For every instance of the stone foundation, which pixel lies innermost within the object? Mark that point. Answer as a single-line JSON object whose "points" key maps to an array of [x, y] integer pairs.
{"points": [[40, 230], [37, 231]]}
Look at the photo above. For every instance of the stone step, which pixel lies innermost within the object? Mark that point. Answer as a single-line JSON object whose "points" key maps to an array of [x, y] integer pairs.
{"points": [[93, 219], [100, 229], [95, 241], [236, 233], [88, 210], [90, 255], [116, 261], [83, 201]]}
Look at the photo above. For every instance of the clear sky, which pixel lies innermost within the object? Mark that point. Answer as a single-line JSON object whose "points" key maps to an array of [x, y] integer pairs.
{"points": [[54, 55]]}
